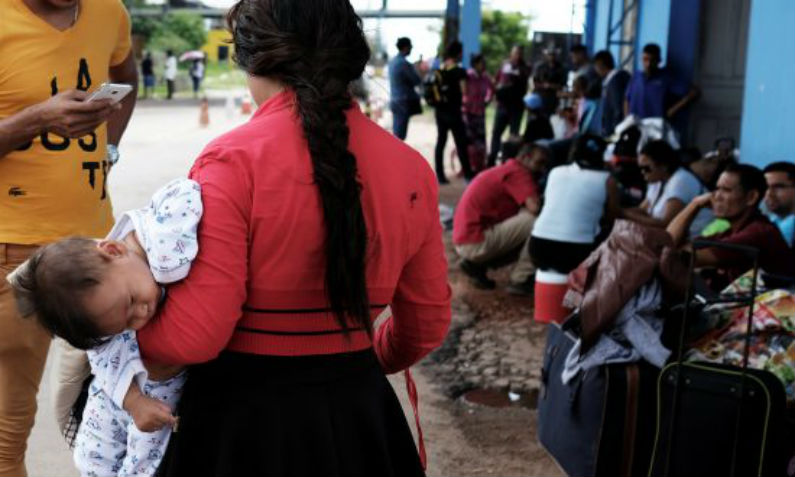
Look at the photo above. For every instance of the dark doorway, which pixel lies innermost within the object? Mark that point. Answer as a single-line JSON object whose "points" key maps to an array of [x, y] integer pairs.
{"points": [[720, 71]]}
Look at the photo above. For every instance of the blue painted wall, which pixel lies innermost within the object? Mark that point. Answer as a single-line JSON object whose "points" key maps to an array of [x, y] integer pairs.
{"points": [[683, 37], [590, 25], [601, 12], [470, 29], [768, 123], [654, 17], [672, 24]]}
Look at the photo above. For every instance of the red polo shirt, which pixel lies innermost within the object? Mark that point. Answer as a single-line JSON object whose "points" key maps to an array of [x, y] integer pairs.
{"points": [[495, 195], [257, 284], [775, 256]]}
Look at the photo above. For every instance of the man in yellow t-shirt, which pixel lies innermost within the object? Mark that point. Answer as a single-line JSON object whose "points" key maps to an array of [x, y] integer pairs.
{"points": [[56, 150]]}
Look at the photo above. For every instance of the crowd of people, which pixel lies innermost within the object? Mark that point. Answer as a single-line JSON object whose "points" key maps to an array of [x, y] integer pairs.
{"points": [[170, 69], [618, 156]]}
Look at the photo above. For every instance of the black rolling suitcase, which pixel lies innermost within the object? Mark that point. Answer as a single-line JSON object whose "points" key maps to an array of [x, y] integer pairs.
{"points": [[716, 419], [602, 422]]}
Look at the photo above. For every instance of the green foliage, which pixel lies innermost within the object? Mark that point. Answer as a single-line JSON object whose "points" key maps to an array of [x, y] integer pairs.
{"points": [[163, 41], [189, 27], [145, 27], [176, 31], [134, 3], [500, 31]]}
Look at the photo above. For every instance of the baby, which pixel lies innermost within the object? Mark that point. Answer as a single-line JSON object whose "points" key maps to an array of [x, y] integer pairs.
{"points": [[95, 294]]}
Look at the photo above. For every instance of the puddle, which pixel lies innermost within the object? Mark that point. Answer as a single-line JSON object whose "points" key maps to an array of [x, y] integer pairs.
{"points": [[494, 398]]}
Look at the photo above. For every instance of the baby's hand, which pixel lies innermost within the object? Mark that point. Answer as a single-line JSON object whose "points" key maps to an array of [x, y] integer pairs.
{"points": [[150, 414]]}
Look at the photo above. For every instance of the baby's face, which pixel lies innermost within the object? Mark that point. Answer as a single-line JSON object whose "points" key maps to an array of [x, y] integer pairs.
{"points": [[126, 298]]}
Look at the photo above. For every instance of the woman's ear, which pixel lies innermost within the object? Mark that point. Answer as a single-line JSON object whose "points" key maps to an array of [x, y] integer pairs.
{"points": [[111, 249]]}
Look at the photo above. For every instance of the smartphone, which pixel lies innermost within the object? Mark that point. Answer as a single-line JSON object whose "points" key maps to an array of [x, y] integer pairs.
{"points": [[115, 92]]}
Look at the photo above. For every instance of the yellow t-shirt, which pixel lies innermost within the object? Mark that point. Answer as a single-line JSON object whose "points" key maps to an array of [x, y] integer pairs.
{"points": [[55, 187]]}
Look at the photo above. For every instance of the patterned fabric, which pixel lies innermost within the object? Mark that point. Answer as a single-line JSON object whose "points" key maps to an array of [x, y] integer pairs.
{"points": [[108, 443], [166, 229], [115, 365], [773, 340]]}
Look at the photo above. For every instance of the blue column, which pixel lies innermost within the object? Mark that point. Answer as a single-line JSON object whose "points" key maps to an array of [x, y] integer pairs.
{"points": [[590, 26], [470, 29], [768, 122], [683, 37], [601, 11], [451, 22]]}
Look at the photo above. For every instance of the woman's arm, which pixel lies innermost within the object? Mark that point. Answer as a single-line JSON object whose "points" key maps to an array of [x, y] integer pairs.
{"points": [[612, 205], [199, 316], [672, 208], [421, 305]]}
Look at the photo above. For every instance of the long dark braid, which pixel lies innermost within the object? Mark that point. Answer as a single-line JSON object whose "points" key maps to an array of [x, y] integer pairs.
{"points": [[317, 47]]}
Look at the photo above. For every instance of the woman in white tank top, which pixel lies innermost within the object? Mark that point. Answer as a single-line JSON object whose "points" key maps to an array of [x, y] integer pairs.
{"points": [[580, 198]]}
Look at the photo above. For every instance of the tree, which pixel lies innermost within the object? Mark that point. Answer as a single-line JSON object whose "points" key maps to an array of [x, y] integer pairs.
{"points": [[187, 26], [145, 27], [179, 32], [500, 31], [134, 3]]}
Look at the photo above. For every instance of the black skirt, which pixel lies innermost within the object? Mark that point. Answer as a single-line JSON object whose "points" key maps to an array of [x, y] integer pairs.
{"points": [[250, 415], [562, 257]]}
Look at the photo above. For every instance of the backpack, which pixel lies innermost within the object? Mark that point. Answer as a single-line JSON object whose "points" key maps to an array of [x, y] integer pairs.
{"points": [[433, 89]]}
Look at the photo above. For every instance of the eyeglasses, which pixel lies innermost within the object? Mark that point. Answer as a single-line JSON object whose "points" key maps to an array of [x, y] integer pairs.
{"points": [[780, 186]]}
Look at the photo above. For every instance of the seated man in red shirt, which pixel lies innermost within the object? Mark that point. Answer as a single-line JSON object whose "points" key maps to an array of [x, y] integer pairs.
{"points": [[495, 216], [740, 189]]}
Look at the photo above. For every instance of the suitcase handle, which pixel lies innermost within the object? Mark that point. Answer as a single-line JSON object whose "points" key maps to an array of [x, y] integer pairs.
{"points": [[753, 254], [748, 251]]}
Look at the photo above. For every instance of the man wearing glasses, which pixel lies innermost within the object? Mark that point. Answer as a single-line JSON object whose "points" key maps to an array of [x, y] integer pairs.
{"points": [[779, 202]]}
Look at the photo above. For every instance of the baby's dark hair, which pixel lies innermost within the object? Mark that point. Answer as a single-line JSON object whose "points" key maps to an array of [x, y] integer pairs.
{"points": [[50, 284]]}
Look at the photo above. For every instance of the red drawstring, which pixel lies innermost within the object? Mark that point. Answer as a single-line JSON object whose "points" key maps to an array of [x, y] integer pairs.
{"points": [[411, 388]]}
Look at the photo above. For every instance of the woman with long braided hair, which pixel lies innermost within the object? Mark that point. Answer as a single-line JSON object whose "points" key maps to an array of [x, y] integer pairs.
{"points": [[315, 221]]}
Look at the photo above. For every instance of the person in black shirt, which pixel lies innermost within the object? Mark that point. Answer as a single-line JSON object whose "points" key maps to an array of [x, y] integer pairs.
{"points": [[538, 125], [614, 90], [549, 77], [148, 72], [511, 86], [448, 111]]}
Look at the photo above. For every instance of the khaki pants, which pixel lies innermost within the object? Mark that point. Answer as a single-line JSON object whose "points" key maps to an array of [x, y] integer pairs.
{"points": [[23, 352], [69, 369], [502, 239]]}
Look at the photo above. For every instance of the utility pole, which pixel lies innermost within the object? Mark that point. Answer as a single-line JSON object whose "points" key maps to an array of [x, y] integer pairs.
{"points": [[451, 22]]}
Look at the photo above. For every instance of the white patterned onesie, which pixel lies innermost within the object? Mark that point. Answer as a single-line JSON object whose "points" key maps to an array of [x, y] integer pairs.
{"points": [[108, 443]]}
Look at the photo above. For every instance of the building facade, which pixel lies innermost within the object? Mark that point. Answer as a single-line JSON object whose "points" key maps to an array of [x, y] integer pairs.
{"points": [[741, 53]]}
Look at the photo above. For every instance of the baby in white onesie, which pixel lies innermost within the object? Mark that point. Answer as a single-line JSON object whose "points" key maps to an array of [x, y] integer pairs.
{"points": [[95, 294]]}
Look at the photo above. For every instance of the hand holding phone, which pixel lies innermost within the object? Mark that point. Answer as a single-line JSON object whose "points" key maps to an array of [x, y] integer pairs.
{"points": [[71, 114], [114, 92]]}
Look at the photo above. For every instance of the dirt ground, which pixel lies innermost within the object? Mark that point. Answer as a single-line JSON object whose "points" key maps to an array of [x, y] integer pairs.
{"points": [[469, 439]]}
